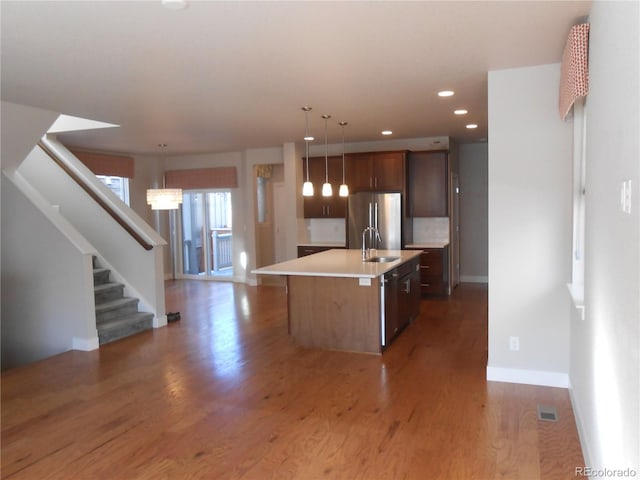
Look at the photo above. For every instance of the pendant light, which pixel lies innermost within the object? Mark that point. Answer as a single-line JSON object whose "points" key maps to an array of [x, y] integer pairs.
{"points": [[307, 187], [344, 189], [164, 198], [327, 191]]}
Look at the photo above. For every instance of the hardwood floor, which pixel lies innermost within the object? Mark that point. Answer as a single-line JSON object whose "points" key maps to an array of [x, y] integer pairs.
{"points": [[223, 393]]}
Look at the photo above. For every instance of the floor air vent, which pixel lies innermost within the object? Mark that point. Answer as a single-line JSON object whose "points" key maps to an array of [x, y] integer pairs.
{"points": [[547, 413]]}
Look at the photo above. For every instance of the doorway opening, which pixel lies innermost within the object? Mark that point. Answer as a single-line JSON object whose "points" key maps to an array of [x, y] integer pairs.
{"points": [[207, 234]]}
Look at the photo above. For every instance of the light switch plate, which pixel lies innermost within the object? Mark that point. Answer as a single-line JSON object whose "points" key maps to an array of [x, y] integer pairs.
{"points": [[625, 197], [364, 282]]}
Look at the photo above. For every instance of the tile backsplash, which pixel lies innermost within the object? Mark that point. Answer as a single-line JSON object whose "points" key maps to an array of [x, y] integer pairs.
{"points": [[434, 229], [332, 230], [327, 230]]}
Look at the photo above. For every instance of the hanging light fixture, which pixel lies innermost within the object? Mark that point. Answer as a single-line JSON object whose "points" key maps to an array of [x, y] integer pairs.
{"points": [[307, 187], [327, 191], [164, 198], [344, 189]]}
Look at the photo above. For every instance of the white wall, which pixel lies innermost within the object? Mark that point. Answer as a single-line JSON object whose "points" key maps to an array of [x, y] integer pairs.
{"points": [[605, 347], [474, 248], [22, 127], [47, 289], [530, 227]]}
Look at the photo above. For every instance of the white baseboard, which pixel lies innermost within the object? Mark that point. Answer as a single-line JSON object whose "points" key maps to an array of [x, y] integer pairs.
{"points": [[582, 433], [528, 377], [473, 279], [85, 344], [159, 321]]}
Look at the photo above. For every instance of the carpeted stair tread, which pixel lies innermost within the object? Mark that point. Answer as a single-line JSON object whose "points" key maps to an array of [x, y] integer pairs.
{"points": [[115, 304], [116, 308], [106, 286], [108, 291], [121, 327], [100, 276]]}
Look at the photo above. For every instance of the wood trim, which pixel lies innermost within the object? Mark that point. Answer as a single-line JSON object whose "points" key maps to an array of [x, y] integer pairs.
{"points": [[76, 178]]}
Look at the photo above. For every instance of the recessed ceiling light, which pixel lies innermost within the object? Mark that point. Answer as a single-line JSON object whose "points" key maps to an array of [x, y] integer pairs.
{"points": [[472, 125], [174, 4], [387, 132], [460, 111], [446, 93]]}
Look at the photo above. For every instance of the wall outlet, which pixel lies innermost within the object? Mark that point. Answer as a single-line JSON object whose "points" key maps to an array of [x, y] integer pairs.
{"points": [[514, 344]]}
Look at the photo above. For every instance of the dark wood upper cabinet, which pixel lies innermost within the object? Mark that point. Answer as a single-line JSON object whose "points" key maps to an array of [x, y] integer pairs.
{"points": [[376, 171], [319, 206], [427, 184]]}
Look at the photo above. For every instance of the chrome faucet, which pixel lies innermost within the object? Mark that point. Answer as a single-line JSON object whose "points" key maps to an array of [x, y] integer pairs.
{"points": [[366, 252]]}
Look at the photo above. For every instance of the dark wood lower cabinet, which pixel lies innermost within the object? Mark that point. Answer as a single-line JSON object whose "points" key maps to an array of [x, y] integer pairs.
{"points": [[434, 272]]}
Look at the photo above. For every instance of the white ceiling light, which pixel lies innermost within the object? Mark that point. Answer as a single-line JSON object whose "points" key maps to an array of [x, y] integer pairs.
{"points": [[164, 198], [307, 187], [175, 4], [327, 191], [472, 125], [446, 93], [344, 189], [387, 132], [460, 111]]}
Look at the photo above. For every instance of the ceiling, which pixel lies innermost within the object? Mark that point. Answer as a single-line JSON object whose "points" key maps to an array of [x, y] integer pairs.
{"points": [[227, 76]]}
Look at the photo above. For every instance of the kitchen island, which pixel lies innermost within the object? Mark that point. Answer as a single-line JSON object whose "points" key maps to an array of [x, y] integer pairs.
{"points": [[337, 301]]}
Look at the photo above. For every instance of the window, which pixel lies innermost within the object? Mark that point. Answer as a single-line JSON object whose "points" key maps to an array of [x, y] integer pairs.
{"points": [[118, 185], [579, 197]]}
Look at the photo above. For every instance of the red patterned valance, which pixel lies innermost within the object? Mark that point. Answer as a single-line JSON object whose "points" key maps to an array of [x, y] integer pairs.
{"points": [[574, 75], [106, 164]]}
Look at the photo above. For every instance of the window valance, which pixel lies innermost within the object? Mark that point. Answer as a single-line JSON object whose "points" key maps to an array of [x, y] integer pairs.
{"points": [[574, 74], [202, 178], [106, 164]]}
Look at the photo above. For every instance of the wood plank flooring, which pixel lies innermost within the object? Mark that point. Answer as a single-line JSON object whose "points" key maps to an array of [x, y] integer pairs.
{"points": [[225, 394]]}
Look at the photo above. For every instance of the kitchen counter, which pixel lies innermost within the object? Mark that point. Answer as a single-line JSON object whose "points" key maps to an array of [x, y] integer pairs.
{"points": [[433, 244], [339, 263], [338, 302]]}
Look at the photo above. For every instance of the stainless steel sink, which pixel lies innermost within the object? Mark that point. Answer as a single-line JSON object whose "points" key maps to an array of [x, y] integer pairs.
{"points": [[382, 259]]}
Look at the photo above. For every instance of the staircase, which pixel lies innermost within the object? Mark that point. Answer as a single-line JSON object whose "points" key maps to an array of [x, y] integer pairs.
{"points": [[117, 316]]}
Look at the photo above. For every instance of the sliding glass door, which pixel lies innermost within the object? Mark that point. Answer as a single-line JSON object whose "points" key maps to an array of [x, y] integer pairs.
{"points": [[207, 234]]}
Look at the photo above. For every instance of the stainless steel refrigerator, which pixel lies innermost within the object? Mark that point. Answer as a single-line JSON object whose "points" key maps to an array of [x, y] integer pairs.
{"points": [[380, 210]]}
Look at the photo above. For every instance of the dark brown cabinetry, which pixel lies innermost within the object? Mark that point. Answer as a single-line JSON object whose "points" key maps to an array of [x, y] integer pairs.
{"points": [[402, 298], [376, 171], [427, 185], [318, 206], [434, 271]]}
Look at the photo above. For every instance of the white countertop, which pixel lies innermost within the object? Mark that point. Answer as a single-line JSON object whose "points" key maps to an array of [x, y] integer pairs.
{"points": [[436, 244], [339, 263], [323, 244]]}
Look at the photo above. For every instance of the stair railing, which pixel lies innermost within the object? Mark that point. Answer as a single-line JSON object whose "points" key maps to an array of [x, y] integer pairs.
{"points": [[104, 205]]}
